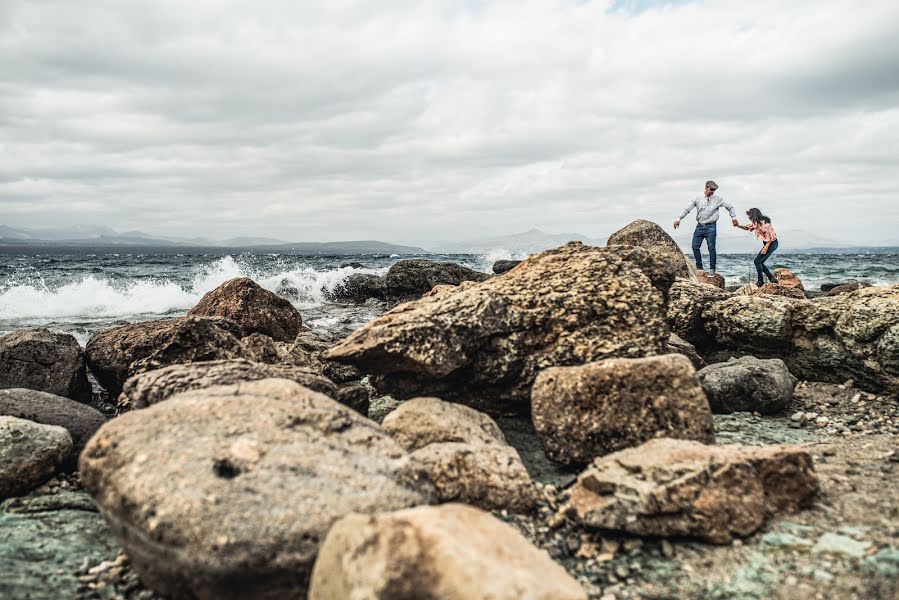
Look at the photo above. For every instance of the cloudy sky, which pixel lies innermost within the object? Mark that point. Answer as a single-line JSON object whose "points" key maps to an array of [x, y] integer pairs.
{"points": [[438, 120]]}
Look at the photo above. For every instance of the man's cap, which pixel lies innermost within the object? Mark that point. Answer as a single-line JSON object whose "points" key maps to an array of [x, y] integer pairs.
{"points": [[711, 185]]}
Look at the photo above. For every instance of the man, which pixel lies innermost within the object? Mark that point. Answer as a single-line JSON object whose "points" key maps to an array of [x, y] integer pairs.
{"points": [[706, 218]]}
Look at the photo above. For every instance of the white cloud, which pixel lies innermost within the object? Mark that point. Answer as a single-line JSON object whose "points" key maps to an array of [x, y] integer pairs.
{"points": [[436, 120]]}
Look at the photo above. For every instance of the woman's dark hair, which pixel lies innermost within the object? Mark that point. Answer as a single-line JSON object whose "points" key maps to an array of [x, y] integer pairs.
{"points": [[756, 216]]}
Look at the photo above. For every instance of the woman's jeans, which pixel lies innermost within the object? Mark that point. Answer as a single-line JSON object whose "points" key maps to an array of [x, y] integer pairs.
{"points": [[760, 262], [709, 233]]}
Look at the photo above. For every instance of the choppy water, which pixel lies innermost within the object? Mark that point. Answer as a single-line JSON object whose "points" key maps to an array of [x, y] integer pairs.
{"points": [[84, 290]]}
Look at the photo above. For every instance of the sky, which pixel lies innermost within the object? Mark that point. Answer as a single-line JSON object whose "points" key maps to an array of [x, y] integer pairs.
{"points": [[445, 120]]}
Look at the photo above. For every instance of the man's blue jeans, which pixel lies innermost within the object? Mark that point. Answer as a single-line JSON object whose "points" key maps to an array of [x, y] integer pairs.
{"points": [[708, 233]]}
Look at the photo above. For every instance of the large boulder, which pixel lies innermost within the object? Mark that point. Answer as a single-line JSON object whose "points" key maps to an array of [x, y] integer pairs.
{"points": [[748, 384], [850, 336], [484, 343], [450, 552], [586, 411], [256, 309], [464, 453], [405, 280], [39, 359], [647, 234], [80, 420], [30, 454], [686, 302], [788, 279], [716, 280], [227, 492], [152, 387], [776, 289], [116, 354], [670, 487]]}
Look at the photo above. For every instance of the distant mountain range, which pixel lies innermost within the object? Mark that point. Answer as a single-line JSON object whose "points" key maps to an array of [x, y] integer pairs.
{"points": [[528, 242]]}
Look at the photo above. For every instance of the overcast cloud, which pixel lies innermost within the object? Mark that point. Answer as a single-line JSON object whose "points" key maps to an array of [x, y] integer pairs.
{"points": [[415, 121]]}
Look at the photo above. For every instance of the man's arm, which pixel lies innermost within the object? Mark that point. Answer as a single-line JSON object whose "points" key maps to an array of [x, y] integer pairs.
{"points": [[730, 209], [685, 213]]}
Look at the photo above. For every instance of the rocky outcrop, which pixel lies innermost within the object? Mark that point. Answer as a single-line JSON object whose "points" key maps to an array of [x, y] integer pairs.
{"points": [[686, 302], [116, 354], [748, 384], [451, 552], [184, 485], [464, 453], [647, 234], [850, 336], [483, 344], [405, 280], [503, 266], [41, 360], [30, 454], [776, 289], [594, 409], [786, 278], [152, 387], [256, 309], [846, 288], [80, 420], [680, 488], [681, 346]]}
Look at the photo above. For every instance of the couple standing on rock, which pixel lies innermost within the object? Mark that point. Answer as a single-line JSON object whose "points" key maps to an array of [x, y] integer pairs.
{"points": [[706, 229]]}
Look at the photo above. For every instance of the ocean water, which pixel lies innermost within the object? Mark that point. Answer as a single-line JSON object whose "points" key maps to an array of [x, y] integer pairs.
{"points": [[84, 290]]}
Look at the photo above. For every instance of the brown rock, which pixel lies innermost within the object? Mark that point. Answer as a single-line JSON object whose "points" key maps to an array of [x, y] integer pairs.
{"points": [[422, 421], [587, 411], [670, 487], [775, 289], [257, 310], [847, 287], [707, 279], [30, 454], [686, 302], [647, 234], [116, 354], [450, 552], [484, 343], [788, 279], [41, 360], [227, 492], [152, 387], [80, 420], [258, 347]]}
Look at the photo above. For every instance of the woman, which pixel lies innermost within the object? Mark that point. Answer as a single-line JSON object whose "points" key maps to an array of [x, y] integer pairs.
{"points": [[761, 225]]}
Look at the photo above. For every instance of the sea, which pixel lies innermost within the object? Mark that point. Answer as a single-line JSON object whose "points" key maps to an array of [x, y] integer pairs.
{"points": [[87, 289]]}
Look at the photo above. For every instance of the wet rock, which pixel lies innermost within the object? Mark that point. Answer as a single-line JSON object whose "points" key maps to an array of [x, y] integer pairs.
{"points": [[716, 280], [451, 552], [116, 354], [786, 278], [81, 421], [748, 384], [152, 387], [256, 309], [483, 344], [647, 234], [41, 360], [846, 288], [672, 487], [686, 302], [775, 289], [405, 280], [30, 454], [502, 266], [286, 289], [464, 453], [681, 346], [352, 265], [594, 409], [45, 540], [184, 483], [850, 336]]}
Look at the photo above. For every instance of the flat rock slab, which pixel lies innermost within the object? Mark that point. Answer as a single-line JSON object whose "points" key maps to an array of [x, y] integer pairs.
{"points": [[450, 552], [483, 344], [670, 487], [39, 359], [748, 384], [594, 409], [30, 454], [227, 492], [46, 540], [419, 422]]}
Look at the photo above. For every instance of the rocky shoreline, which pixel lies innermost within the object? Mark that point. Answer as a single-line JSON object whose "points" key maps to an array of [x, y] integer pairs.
{"points": [[549, 420]]}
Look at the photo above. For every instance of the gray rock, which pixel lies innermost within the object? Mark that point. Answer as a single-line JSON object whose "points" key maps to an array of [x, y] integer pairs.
{"points": [[502, 266], [41, 360], [80, 420], [227, 492], [678, 344], [46, 540], [30, 454], [405, 280], [748, 384]]}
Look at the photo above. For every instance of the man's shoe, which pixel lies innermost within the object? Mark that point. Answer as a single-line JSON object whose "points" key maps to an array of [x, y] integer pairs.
{"points": [[711, 273]]}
